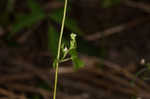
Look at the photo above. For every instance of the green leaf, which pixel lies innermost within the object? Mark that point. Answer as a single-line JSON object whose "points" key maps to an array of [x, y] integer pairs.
{"points": [[110, 3], [26, 21], [34, 6], [73, 53], [71, 24], [53, 37], [35, 97], [76, 61], [44, 85]]}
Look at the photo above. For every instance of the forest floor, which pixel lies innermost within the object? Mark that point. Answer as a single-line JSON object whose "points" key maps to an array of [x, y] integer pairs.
{"points": [[121, 32]]}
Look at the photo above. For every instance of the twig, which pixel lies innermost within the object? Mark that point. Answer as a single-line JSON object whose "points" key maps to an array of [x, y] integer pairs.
{"points": [[35, 71], [117, 29], [27, 88], [139, 5], [125, 85], [15, 77]]}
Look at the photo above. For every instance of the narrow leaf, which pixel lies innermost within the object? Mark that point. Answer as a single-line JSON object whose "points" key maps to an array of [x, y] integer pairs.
{"points": [[34, 6], [53, 37], [76, 61], [110, 3], [26, 21]]}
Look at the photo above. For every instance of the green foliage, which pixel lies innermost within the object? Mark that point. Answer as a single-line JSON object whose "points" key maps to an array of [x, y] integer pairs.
{"points": [[76, 61], [23, 21], [109, 3], [57, 60], [62, 49], [36, 97], [69, 24], [36, 14], [72, 52], [12, 44], [134, 97], [53, 40], [27, 20], [44, 85], [34, 6]]}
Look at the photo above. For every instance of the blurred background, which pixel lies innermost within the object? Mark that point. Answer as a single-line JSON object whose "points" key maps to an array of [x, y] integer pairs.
{"points": [[113, 39]]}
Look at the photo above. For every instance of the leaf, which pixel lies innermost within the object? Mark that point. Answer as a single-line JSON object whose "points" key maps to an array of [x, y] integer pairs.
{"points": [[73, 53], [24, 20], [69, 23], [34, 6], [109, 3], [27, 21], [35, 97], [44, 85], [76, 61], [53, 37]]}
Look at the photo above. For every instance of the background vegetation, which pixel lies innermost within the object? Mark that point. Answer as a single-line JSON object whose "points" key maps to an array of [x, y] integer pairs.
{"points": [[113, 41]]}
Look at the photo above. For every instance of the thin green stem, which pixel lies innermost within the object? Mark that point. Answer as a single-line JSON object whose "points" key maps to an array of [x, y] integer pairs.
{"points": [[59, 47], [65, 60]]}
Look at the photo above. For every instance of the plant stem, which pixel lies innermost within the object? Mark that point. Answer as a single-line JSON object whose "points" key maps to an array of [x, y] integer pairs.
{"points": [[59, 46], [65, 60]]}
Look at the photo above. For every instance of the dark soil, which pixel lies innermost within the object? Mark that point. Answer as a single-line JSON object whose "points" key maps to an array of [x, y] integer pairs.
{"points": [[26, 71]]}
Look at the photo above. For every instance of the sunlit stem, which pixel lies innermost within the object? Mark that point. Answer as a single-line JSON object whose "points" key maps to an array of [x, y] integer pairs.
{"points": [[59, 47]]}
